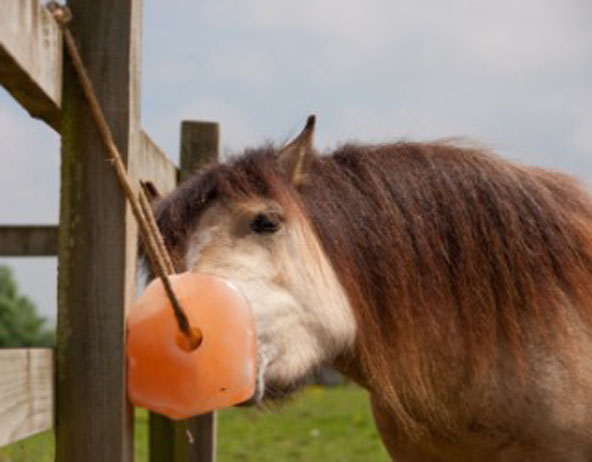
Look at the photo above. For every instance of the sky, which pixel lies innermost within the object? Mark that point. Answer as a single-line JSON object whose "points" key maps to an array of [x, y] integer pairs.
{"points": [[515, 76]]}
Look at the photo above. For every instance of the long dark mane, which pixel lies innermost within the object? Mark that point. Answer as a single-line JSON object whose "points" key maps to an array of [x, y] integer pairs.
{"points": [[454, 260]]}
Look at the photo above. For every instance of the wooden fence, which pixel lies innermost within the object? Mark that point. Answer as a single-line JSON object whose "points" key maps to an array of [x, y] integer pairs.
{"points": [[79, 389]]}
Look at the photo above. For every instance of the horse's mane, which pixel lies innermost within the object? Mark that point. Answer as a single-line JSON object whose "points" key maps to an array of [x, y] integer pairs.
{"points": [[454, 260]]}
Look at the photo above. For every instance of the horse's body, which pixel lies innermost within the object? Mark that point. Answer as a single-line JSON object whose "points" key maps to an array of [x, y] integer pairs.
{"points": [[545, 418], [454, 286]]}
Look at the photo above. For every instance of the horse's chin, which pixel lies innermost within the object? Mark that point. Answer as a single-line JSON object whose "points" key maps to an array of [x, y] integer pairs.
{"points": [[252, 401], [270, 389], [270, 393]]}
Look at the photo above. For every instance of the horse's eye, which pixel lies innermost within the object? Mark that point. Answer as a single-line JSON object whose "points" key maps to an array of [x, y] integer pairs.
{"points": [[265, 224]]}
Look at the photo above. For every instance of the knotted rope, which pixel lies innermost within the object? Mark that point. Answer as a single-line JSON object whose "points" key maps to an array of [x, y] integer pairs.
{"points": [[154, 243]]}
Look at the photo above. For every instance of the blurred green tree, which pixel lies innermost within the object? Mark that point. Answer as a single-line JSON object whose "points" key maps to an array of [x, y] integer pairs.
{"points": [[20, 324]]}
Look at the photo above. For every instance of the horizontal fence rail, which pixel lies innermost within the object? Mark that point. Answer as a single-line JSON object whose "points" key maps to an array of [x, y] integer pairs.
{"points": [[26, 393], [31, 71], [154, 165], [28, 241], [31, 58]]}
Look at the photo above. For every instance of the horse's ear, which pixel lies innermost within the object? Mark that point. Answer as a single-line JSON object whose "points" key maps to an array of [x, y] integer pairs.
{"points": [[295, 157], [151, 191]]}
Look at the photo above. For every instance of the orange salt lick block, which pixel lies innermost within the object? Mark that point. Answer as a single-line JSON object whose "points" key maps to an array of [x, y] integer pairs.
{"points": [[166, 378]]}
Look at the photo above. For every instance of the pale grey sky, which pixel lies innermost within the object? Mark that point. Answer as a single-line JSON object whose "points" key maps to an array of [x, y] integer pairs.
{"points": [[513, 75]]}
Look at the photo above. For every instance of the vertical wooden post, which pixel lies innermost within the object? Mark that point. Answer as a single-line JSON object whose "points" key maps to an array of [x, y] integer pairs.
{"points": [[200, 144], [97, 238], [162, 439]]}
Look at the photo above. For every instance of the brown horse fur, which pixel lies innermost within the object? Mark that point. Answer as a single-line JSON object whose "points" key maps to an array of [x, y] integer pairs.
{"points": [[470, 278]]}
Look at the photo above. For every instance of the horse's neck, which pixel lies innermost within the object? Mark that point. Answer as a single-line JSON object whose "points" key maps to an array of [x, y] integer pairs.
{"points": [[349, 365]]}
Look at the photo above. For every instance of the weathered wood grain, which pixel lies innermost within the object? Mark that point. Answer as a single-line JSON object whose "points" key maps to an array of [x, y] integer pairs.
{"points": [[154, 165], [169, 442], [31, 58], [28, 241], [26, 393], [98, 238], [203, 429], [200, 145], [31, 66]]}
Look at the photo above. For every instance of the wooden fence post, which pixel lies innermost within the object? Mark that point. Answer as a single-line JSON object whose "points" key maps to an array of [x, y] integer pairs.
{"points": [[200, 145], [169, 442], [97, 238]]}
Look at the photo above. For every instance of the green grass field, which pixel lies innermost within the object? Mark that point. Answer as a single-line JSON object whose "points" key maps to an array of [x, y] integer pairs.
{"points": [[320, 424]]}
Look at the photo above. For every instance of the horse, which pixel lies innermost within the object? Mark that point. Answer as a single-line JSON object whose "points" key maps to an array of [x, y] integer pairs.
{"points": [[453, 285]]}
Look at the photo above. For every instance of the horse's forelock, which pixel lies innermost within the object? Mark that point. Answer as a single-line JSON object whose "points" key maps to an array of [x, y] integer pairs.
{"points": [[253, 175]]}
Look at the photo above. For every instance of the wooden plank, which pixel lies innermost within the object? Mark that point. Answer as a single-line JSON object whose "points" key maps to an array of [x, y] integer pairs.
{"points": [[200, 145], [26, 393], [162, 439], [31, 58], [28, 241], [97, 239], [169, 442], [154, 165], [203, 429]]}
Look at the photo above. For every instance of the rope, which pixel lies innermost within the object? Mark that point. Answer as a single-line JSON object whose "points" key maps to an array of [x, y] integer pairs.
{"points": [[147, 210], [154, 243]]}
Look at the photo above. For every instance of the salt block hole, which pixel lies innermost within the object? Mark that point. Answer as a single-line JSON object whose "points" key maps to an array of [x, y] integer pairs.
{"points": [[189, 343]]}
